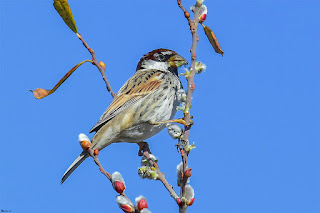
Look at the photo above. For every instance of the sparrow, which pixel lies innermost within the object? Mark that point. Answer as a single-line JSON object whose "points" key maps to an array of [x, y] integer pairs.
{"points": [[150, 96]]}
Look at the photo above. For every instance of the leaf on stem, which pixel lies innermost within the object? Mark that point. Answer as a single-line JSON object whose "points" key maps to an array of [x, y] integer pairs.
{"points": [[63, 8], [213, 40], [41, 93]]}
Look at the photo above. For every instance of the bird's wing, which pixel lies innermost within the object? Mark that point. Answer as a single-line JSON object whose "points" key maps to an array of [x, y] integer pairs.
{"points": [[140, 85]]}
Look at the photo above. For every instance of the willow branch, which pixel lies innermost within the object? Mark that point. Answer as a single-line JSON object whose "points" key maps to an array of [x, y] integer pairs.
{"points": [[102, 170], [185, 138], [161, 176], [97, 64]]}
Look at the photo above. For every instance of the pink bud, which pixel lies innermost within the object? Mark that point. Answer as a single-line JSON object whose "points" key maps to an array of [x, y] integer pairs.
{"points": [[179, 201], [119, 186], [142, 204], [202, 18], [127, 208], [187, 173], [190, 202]]}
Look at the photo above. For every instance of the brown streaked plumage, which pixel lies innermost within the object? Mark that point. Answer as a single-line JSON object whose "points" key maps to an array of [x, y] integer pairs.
{"points": [[137, 87], [149, 96]]}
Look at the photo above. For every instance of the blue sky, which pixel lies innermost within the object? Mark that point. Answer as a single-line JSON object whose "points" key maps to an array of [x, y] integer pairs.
{"points": [[256, 110]]}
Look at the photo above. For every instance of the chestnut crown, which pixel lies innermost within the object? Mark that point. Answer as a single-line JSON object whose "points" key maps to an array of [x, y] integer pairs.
{"points": [[162, 59]]}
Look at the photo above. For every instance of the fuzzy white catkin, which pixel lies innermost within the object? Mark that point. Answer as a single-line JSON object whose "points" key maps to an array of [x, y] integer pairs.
{"points": [[116, 176], [174, 130], [179, 171], [122, 200], [189, 192], [83, 137], [145, 161]]}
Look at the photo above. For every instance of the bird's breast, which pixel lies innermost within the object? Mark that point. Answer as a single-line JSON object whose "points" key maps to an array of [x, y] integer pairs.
{"points": [[161, 107]]}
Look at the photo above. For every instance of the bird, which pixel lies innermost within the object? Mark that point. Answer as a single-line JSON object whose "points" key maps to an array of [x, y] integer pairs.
{"points": [[149, 97]]}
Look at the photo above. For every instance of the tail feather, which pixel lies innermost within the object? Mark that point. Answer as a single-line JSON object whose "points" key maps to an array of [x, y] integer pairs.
{"points": [[74, 165]]}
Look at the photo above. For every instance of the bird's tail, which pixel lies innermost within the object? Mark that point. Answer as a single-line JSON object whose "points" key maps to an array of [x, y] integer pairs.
{"points": [[74, 165]]}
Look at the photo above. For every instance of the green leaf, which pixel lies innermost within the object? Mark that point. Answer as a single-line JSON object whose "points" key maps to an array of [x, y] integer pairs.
{"points": [[190, 147], [63, 8]]}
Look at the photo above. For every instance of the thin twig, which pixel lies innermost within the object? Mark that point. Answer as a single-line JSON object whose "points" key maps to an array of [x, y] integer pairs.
{"points": [[96, 63], [96, 160], [102, 170], [161, 176]]}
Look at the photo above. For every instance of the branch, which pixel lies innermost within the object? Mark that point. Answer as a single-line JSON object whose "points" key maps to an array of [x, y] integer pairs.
{"points": [[96, 160], [145, 151], [40, 93], [102, 170], [123, 201], [101, 66], [190, 78]]}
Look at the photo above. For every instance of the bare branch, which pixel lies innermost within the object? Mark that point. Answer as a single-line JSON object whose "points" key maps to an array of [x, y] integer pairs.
{"points": [[102, 170], [97, 64], [185, 138], [145, 151]]}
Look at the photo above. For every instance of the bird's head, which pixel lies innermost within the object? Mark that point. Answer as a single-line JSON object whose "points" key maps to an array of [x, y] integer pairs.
{"points": [[162, 59]]}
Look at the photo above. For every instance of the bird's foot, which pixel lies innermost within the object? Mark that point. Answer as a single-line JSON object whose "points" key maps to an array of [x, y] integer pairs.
{"points": [[143, 146], [181, 145], [180, 121]]}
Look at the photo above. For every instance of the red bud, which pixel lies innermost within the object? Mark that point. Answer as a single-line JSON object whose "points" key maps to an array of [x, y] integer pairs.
{"points": [[202, 18], [179, 201], [127, 208], [96, 152], [193, 86], [142, 204], [190, 202], [186, 14], [85, 145], [119, 186], [187, 173]]}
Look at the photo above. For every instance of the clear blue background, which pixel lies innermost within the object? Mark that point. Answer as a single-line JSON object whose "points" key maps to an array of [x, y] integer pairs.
{"points": [[256, 110]]}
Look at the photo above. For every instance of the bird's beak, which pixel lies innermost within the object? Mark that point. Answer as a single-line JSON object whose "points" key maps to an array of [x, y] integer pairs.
{"points": [[177, 61]]}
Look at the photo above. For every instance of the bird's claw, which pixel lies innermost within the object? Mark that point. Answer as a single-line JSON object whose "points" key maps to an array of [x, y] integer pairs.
{"points": [[180, 121], [143, 146], [181, 145]]}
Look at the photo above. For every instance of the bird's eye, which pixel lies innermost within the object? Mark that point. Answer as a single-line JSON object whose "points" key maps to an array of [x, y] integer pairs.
{"points": [[160, 57]]}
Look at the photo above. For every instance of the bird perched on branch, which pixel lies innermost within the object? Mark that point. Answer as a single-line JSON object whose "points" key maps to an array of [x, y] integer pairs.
{"points": [[150, 96]]}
